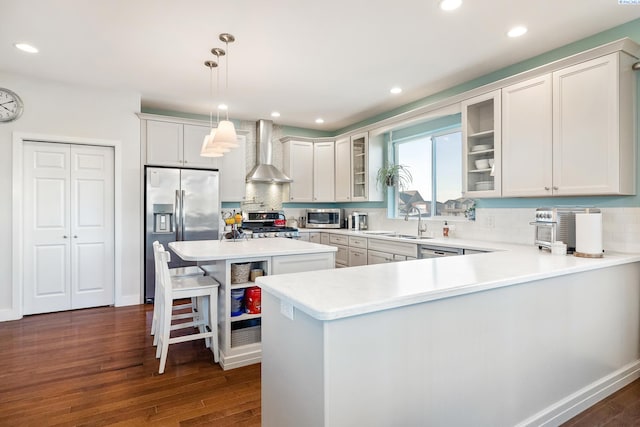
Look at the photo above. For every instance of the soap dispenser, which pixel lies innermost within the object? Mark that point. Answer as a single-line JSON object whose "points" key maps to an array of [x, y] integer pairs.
{"points": [[445, 230]]}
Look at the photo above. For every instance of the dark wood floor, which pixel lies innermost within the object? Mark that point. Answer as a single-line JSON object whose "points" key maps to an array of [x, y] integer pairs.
{"points": [[97, 367]]}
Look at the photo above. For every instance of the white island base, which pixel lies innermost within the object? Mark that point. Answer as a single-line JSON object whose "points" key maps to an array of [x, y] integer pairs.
{"points": [[535, 353]]}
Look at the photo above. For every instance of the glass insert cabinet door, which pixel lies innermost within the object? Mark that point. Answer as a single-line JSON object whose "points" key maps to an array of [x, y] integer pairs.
{"points": [[359, 164]]}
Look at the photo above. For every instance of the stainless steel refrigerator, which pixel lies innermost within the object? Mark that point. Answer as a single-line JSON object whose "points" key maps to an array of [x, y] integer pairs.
{"points": [[180, 204]]}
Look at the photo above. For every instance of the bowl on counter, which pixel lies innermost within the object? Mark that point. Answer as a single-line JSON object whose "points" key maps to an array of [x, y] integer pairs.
{"points": [[482, 164]]}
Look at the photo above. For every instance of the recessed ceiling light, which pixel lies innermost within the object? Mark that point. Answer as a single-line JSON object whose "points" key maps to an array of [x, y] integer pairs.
{"points": [[25, 47], [396, 90], [223, 107], [275, 114], [319, 121], [517, 31], [450, 4]]}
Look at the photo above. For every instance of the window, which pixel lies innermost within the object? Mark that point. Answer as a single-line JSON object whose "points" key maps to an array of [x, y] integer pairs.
{"points": [[435, 163]]}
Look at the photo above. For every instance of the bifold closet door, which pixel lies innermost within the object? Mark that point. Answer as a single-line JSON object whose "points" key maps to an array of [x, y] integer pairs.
{"points": [[68, 252]]}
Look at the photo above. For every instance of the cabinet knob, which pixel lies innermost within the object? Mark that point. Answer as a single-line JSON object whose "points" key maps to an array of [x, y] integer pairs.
{"points": [[555, 187], [547, 188], [64, 237], [75, 237]]}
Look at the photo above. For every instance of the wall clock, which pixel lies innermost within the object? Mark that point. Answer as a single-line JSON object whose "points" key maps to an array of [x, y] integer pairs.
{"points": [[10, 105]]}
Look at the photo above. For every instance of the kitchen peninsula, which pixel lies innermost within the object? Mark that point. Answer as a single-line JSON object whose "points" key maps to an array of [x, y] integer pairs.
{"points": [[240, 334], [512, 337]]}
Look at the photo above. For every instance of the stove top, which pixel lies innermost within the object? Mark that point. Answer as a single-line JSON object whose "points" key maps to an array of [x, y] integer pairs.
{"points": [[259, 232], [268, 229]]}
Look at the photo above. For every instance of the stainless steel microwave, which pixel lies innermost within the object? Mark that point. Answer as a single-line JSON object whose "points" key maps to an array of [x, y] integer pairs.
{"points": [[324, 218]]}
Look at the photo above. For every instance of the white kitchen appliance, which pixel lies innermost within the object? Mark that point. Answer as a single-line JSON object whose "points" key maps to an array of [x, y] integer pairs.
{"points": [[556, 225]]}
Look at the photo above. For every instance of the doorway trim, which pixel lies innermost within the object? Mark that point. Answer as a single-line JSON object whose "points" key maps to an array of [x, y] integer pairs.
{"points": [[17, 212]]}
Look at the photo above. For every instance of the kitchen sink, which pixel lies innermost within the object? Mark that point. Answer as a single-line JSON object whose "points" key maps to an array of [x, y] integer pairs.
{"points": [[412, 236], [381, 233], [396, 234]]}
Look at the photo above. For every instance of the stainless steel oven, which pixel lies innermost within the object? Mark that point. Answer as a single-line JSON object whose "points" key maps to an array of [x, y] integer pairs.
{"points": [[324, 218]]}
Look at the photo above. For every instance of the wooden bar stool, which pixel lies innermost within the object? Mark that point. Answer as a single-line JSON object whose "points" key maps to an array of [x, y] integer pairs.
{"points": [[205, 289], [175, 272]]}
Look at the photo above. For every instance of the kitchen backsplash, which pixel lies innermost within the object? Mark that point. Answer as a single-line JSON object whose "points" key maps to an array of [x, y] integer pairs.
{"points": [[621, 226]]}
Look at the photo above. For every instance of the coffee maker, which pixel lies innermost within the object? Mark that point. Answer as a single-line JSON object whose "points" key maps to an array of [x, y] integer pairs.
{"points": [[358, 220]]}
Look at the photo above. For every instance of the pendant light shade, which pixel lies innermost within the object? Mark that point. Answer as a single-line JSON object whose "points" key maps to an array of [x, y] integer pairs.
{"points": [[209, 149], [224, 137], [225, 134]]}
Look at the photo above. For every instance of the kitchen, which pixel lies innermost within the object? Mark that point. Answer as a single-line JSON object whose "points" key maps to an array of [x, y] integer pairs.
{"points": [[497, 220]]}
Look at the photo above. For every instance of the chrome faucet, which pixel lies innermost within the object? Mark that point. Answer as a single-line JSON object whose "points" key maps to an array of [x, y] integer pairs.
{"points": [[406, 218]]}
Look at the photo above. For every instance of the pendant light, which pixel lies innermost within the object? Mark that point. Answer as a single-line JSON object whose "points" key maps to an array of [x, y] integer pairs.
{"points": [[208, 148], [226, 131]]}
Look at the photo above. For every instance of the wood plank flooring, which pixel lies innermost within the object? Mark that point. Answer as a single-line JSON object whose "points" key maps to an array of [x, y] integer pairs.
{"points": [[97, 367]]}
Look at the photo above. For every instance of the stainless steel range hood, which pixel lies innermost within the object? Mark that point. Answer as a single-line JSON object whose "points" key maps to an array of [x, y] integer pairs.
{"points": [[264, 171]]}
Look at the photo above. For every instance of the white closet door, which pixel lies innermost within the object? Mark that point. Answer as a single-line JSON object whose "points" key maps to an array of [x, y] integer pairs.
{"points": [[68, 227], [92, 226], [47, 241]]}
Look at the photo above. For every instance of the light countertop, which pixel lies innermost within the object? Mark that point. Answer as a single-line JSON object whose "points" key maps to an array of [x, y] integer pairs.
{"points": [[345, 292], [212, 250]]}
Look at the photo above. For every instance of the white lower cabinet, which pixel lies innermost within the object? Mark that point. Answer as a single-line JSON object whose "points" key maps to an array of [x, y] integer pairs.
{"points": [[325, 238], [357, 257], [393, 248], [314, 237], [377, 257]]}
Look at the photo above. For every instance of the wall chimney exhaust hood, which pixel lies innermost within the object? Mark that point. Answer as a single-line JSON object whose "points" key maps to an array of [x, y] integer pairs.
{"points": [[264, 171]]}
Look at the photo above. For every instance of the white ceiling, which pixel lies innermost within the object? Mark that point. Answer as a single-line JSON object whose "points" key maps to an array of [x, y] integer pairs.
{"points": [[335, 59]]}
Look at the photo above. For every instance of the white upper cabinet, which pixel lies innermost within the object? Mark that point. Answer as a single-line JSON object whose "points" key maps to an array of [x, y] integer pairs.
{"points": [[193, 139], [593, 132], [233, 172], [176, 144], [298, 165], [357, 160], [481, 145], [570, 133], [343, 170], [526, 138], [311, 166], [323, 171]]}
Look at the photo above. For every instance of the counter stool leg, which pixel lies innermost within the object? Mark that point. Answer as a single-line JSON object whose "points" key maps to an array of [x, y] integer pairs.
{"points": [[213, 323]]}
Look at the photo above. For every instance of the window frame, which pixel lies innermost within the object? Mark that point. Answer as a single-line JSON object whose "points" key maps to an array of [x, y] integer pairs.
{"points": [[393, 155]]}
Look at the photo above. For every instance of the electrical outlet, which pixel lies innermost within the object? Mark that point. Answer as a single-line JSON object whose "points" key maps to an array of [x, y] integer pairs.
{"points": [[286, 309], [490, 221]]}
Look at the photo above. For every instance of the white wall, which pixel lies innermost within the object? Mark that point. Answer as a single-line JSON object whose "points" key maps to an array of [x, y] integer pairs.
{"points": [[59, 110]]}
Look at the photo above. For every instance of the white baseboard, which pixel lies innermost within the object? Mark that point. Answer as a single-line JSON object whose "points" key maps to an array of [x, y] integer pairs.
{"points": [[8, 314], [232, 362], [584, 398], [125, 300]]}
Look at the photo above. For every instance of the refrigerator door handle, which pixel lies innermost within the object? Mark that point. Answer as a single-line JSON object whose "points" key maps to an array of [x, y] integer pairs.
{"points": [[182, 216], [177, 210]]}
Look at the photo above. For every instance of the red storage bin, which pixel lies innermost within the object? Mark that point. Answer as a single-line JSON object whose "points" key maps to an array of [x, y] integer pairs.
{"points": [[253, 300]]}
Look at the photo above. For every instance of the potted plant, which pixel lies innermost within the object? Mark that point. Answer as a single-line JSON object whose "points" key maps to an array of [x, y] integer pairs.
{"points": [[393, 175]]}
